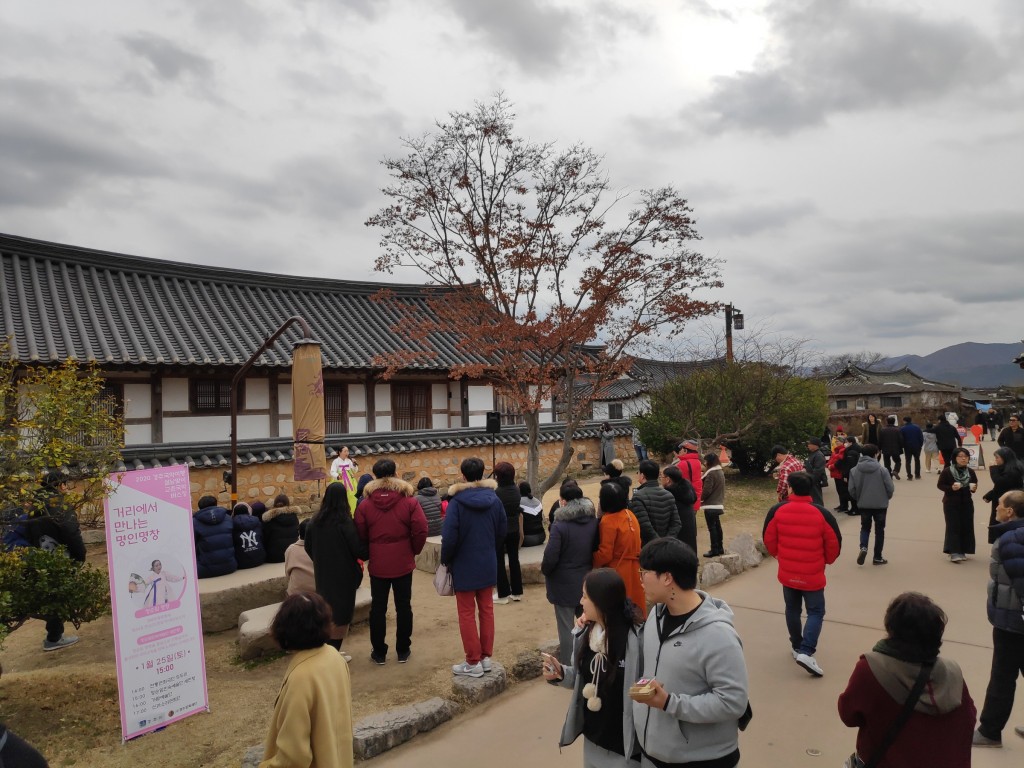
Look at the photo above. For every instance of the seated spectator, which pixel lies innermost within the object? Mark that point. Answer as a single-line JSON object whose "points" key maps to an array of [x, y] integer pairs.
{"points": [[247, 537], [426, 495], [280, 527], [298, 566], [364, 480], [533, 520], [212, 528]]}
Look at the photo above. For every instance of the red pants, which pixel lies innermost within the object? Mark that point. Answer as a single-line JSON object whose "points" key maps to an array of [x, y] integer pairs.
{"points": [[477, 644]]}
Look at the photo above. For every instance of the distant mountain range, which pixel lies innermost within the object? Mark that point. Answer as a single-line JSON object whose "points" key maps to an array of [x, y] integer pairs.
{"points": [[969, 364]]}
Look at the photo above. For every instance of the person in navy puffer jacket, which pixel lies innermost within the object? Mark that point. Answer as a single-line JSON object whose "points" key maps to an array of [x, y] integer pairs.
{"points": [[1006, 615], [247, 537], [215, 552]]}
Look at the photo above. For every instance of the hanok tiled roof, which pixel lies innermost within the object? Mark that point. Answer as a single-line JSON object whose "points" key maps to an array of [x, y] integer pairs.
{"points": [[645, 375], [209, 455], [60, 301], [854, 380]]}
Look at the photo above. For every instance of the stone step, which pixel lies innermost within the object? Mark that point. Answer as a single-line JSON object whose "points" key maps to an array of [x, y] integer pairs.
{"points": [[529, 560], [254, 638]]}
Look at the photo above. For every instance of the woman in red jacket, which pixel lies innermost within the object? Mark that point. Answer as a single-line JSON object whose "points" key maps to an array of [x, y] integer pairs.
{"points": [[939, 730]]}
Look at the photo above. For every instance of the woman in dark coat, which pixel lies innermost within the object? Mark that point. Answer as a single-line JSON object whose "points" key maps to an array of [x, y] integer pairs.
{"points": [[280, 528], [607, 444], [426, 495], [335, 548], [510, 582], [567, 560], [957, 482], [1007, 474], [685, 497]]}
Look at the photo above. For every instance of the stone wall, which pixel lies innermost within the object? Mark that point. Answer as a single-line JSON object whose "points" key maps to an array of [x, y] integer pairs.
{"points": [[262, 482]]}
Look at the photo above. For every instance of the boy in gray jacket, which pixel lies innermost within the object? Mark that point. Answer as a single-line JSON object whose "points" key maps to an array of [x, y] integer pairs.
{"points": [[871, 487], [694, 658]]}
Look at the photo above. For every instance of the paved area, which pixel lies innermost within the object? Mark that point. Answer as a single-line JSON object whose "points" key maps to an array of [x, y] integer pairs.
{"points": [[795, 718]]}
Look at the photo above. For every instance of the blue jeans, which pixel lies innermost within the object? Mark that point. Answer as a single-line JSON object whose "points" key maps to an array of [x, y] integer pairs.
{"points": [[804, 639], [641, 452]]}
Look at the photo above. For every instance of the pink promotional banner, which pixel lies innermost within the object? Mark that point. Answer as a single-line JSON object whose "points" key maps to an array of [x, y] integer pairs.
{"points": [[154, 594]]}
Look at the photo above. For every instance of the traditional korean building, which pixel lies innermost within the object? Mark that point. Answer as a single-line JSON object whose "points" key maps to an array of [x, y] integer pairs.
{"points": [[857, 391]]}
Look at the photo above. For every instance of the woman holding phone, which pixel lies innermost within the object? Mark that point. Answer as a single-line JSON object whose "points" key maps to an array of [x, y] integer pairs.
{"points": [[604, 665]]}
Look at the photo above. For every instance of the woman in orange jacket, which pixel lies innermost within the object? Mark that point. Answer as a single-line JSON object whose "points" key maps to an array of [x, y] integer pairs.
{"points": [[619, 540]]}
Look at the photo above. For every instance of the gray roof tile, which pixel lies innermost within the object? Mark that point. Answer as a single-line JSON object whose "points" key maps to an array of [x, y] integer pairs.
{"points": [[60, 301]]}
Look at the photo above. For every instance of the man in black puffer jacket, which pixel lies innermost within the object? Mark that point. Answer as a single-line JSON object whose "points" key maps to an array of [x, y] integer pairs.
{"points": [[890, 443], [654, 507], [211, 527], [1006, 614]]}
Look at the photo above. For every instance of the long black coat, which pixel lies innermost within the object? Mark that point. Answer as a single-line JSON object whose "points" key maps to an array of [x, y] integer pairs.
{"points": [[334, 550], [280, 531], [687, 517]]}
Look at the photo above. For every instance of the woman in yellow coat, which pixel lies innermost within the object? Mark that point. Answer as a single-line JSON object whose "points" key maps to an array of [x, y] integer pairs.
{"points": [[619, 540], [312, 721]]}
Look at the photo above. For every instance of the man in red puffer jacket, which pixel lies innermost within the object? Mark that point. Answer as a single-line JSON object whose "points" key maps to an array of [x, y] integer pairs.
{"points": [[391, 523], [804, 538]]}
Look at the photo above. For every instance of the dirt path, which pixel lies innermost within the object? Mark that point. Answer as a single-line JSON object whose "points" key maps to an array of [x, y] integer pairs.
{"points": [[66, 703]]}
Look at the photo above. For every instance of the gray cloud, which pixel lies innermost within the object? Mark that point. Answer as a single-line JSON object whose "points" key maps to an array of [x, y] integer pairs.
{"points": [[236, 18], [168, 60], [843, 56], [704, 8], [753, 219], [52, 147], [534, 34]]}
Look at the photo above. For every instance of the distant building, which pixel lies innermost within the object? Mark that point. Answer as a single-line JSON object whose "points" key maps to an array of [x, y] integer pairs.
{"points": [[857, 390], [629, 395]]}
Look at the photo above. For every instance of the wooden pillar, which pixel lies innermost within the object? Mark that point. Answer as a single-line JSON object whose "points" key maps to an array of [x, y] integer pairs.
{"points": [[275, 415], [156, 407]]}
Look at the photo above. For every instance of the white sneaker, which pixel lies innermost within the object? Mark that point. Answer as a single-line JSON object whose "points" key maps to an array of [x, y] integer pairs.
{"points": [[500, 600], [795, 654], [810, 664], [516, 598], [468, 670], [485, 662]]}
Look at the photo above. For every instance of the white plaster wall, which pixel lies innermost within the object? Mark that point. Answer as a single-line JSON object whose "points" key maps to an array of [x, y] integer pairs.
{"points": [[138, 434], [439, 402], [257, 394], [600, 410], [175, 395], [639, 405], [284, 427], [382, 397], [356, 398], [200, 429], [284, 399], [481, 397], [137, 401], [356, 424]]}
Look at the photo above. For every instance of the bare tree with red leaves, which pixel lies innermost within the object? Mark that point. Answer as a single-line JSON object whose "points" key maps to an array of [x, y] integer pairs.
{"points": [[533, 271]]}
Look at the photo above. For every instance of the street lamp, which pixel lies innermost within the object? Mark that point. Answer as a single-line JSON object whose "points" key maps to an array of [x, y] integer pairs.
{"points": [[733, 319]]}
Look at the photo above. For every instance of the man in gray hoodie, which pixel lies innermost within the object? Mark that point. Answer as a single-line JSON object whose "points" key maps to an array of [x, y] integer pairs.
{"points": [[694, 659], [871, 487]]}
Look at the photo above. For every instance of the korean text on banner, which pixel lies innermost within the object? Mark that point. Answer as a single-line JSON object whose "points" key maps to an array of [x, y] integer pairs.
{"points": [[158, 632]]}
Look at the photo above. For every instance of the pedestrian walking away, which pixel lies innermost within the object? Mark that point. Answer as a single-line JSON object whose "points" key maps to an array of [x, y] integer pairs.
{"points": [[872, 487], [913, 442], [890, 443], [804, 538]]}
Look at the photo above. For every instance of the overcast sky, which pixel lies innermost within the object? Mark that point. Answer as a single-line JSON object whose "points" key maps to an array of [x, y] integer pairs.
{"points": [[857, 165]]}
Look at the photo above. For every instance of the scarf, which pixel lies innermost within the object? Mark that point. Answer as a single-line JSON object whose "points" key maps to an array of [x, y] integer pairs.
{"points": [[961, 475], [598, 641]]}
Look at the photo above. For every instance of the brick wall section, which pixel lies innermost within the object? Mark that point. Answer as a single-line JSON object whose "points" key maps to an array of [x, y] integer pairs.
{"points": [[262, 482]]}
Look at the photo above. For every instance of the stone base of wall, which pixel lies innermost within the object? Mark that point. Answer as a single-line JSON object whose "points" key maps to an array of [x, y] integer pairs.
{"points": [[262, 482]]}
